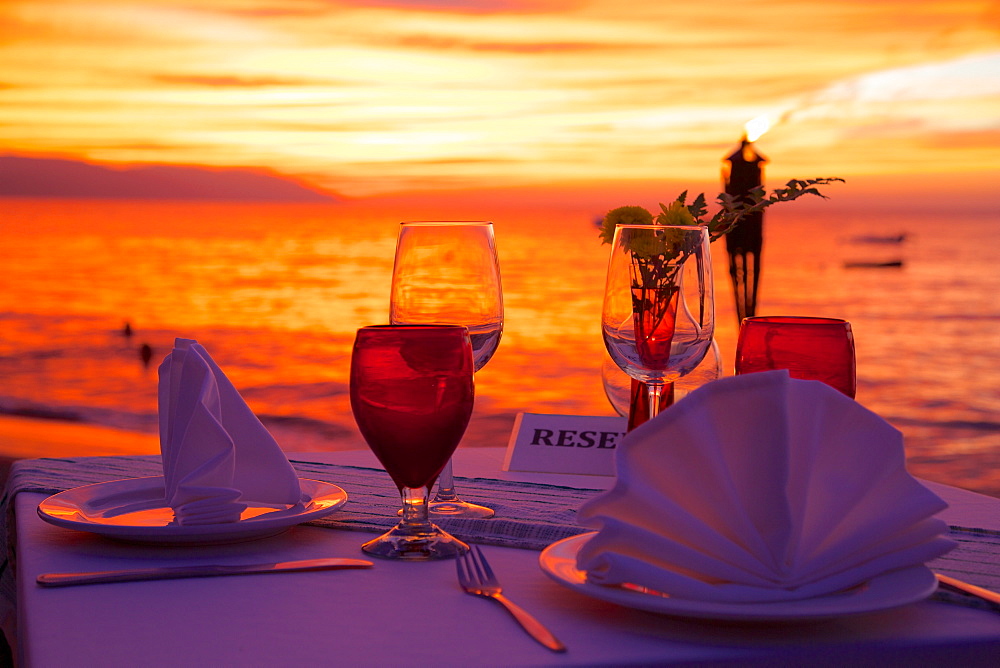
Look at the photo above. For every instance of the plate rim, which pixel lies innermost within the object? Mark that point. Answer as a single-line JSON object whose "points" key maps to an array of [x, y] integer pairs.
{"points": [[918, 579], [260, 526]]}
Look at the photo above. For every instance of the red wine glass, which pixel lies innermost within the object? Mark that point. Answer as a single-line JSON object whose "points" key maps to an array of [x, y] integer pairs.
{"points": [[809, 348], [412, 396]]}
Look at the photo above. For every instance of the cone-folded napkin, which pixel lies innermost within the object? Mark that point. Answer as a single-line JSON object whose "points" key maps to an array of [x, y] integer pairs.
{"points": [[216, 454], [760, 487]]}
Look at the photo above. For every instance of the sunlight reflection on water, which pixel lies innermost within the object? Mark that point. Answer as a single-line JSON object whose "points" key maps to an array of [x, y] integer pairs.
{"points": [[276, 291]]}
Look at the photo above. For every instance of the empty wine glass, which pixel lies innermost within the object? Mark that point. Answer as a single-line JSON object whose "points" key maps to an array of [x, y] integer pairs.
{"points": [[809, 348], [447, 272], [412, 396], [658, 318]]}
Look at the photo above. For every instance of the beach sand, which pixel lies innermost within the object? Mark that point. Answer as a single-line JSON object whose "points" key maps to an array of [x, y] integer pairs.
{"points": [[24, 438]]}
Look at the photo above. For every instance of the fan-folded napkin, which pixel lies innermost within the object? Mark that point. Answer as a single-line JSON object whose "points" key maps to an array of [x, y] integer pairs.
{"points": [[216, 454], [760, 487]]}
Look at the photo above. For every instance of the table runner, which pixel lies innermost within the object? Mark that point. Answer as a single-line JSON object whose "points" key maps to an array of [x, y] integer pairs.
{"points": [[528, 515]]}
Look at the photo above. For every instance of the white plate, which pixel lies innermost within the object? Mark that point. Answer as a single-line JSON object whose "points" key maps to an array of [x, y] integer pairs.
{"points": [[893, 589], [134, 509]]}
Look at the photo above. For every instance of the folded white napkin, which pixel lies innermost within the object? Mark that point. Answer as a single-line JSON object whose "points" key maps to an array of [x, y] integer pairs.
{"points": [[217, 455], [760, 487]]}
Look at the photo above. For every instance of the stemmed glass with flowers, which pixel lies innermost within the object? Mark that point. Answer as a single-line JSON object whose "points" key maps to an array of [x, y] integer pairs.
{"points": [[412, 396], [658, 318], [447, 272]]}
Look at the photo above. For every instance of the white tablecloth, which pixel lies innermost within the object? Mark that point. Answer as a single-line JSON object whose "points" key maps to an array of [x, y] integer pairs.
{"points": [[416, 613]]}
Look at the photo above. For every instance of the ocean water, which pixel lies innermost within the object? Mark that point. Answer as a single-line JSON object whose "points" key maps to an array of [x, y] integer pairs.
{"points": [[276, 291]]}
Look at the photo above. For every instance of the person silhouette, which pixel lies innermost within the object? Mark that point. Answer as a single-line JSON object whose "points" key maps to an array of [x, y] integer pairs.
{"points": [[146, 354], [127, 330]]}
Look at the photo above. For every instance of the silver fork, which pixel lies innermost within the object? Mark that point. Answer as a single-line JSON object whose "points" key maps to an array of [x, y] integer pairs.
{"points": [[477, 578]]}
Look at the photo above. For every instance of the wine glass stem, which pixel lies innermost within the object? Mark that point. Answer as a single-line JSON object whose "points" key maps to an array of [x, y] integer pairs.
{"points": [[446, 485], [415, 507], [655, 390]]}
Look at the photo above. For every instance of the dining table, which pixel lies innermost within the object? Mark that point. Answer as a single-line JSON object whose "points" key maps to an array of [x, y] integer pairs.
{"points": [[415, 613]]}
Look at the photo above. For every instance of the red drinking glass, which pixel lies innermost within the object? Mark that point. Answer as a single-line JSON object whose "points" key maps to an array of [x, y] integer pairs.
{"points": [[809, 348], [412, 396]]}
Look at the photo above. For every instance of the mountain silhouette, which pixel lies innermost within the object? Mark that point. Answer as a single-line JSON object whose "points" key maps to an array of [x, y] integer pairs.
{"points": [[22, 176]]}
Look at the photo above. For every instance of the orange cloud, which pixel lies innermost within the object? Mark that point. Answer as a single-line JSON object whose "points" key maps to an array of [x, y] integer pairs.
{"points": [[370, 97], [226, 80]]}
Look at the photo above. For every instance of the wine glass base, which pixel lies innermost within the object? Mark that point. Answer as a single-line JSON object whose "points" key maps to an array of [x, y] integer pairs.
{"points": [[458, 509], [411, 544]]}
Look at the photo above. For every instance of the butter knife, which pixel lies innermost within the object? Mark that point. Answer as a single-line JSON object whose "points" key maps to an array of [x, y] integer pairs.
{"points": [[173, 572]]}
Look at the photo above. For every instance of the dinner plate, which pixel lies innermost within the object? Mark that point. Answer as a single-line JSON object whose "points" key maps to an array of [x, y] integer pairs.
{"points": [[133, 509], [890, 590]]}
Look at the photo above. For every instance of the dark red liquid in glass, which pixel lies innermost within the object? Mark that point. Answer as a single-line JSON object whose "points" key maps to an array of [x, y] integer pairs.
{"points": [[809, 348], [654, 314], [412, 396], [638, 407]]}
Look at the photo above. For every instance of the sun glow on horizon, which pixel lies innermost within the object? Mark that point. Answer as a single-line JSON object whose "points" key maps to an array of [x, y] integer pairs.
{"points": [[363, 97]]}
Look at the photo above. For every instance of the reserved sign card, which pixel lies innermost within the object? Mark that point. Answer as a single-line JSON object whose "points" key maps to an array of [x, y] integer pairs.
{"points": [[582, 444]]}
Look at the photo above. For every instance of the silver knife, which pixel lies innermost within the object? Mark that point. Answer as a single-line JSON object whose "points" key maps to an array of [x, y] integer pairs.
{"points": [[173, 572], [970, 589]]}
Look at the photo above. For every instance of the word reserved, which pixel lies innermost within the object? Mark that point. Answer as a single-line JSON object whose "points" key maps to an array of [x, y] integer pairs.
{"points": [[580, 444]]}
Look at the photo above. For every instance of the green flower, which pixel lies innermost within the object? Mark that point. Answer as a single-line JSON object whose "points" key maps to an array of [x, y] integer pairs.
{"points": [[659, 241], [623, 215], [645, 244], [675, 214]]}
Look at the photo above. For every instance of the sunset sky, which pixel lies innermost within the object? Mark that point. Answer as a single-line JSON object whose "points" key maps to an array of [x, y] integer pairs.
{"points": [[369, 97]]}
